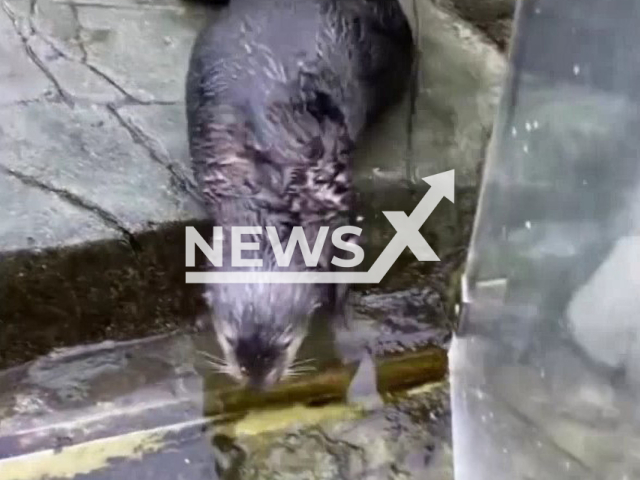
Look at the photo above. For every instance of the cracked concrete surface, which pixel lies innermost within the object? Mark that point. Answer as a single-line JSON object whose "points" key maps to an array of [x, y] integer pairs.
{"points": [[158, 74], [76, 102], [86, 156]]}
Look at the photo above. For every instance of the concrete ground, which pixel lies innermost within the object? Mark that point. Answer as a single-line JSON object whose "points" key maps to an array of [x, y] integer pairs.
{"points": [[92, 129]]}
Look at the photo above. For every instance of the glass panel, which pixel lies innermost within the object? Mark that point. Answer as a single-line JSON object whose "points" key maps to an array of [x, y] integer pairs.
{"points": [[545, 369]]}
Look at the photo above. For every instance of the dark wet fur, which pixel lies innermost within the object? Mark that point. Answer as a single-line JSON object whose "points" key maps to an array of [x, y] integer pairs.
{"points": [[278, 94]]}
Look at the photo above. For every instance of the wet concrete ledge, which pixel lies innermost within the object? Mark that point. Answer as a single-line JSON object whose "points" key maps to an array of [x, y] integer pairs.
{"points": [[109, 289]]}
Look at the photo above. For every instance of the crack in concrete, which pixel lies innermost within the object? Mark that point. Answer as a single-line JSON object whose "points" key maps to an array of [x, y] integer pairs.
{"points": [[78, 34], [78, 38], [32, 101], [77, 201], [84, 60], [142, 139], [139, 137], [129, 98], [85, 57], [31, 54]]}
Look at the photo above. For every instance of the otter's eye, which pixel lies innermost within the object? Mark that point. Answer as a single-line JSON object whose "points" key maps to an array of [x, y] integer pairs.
{"points": [[287, 343]]}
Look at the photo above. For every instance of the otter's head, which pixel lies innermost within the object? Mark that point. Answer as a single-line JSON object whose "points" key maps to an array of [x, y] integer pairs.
{"points": [[260, 328]]}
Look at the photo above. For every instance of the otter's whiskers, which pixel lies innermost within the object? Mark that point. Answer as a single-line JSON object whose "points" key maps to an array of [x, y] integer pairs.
{"points": [[299, 368], [219, 365]]}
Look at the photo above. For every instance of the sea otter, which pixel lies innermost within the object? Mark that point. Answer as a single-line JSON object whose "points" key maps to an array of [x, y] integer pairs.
{"points": [[278, 95]]}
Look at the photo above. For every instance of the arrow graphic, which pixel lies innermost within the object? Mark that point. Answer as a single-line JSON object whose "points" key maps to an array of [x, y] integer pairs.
{"points": [[407, 235], [407, 228]]}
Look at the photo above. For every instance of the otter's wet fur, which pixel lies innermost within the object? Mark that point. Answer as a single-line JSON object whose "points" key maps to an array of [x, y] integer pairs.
{"points": [[278, 95]]}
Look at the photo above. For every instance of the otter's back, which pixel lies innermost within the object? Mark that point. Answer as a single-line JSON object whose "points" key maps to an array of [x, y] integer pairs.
{"points": [[247, 54], [358, 52]]}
